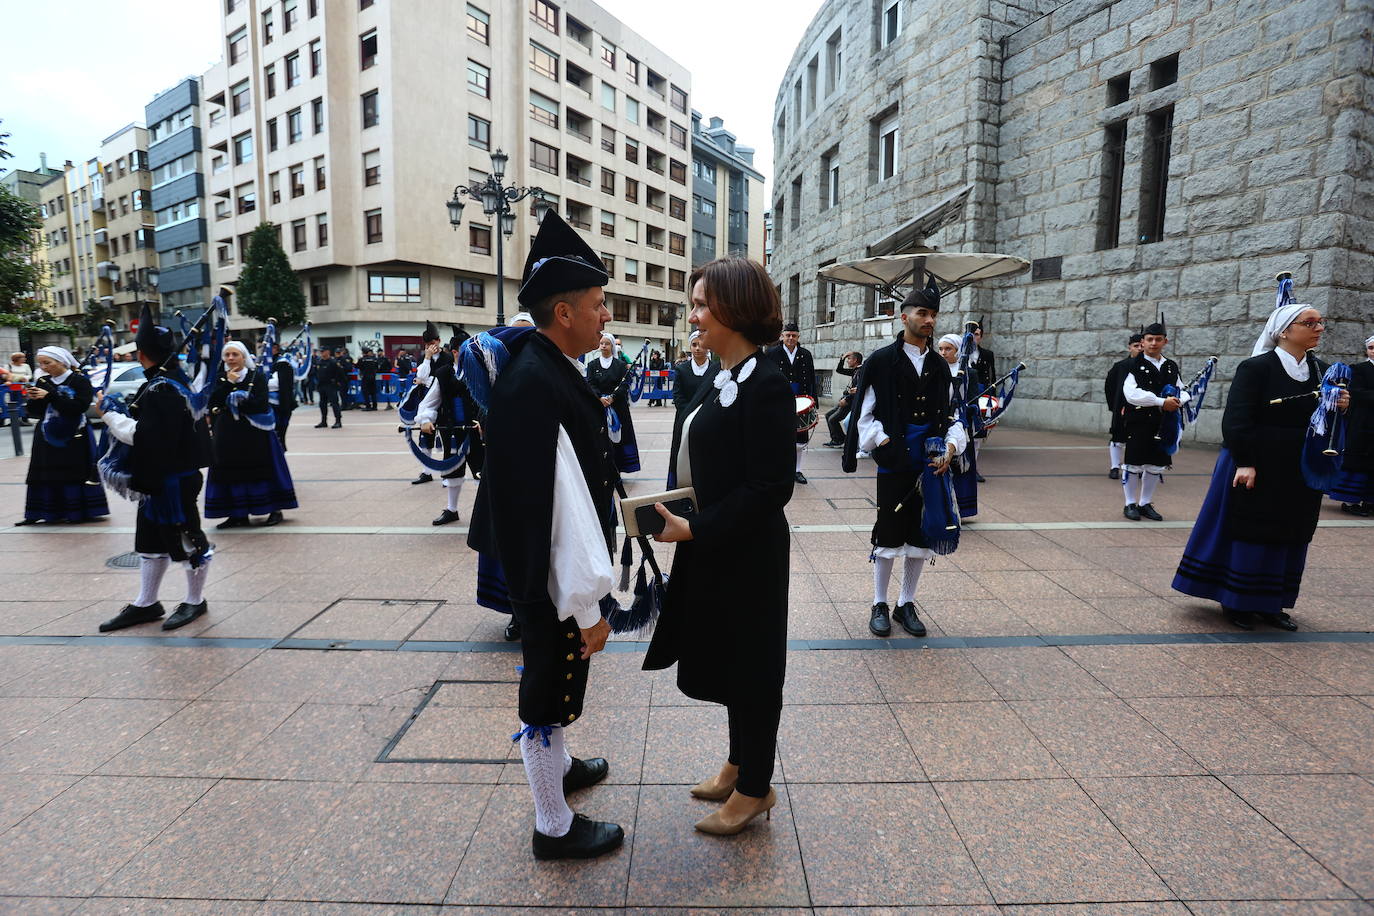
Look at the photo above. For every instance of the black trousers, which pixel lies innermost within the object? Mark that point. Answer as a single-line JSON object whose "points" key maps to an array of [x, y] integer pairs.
{"points": [[283, 415], [369, 387], [833, 418], [754, 743], [328, 396]]}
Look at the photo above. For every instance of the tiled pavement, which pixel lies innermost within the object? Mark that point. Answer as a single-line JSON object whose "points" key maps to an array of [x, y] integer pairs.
{"points": [[1072, 738]]}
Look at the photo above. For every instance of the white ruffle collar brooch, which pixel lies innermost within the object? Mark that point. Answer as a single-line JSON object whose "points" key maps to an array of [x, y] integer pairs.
{"points": [[728, 386]]}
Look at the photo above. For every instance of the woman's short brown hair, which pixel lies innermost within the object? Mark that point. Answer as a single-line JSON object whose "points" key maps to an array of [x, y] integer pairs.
{"points": [[742, 297]]}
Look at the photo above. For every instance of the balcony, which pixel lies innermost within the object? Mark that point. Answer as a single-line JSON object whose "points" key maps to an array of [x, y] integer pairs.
{"points": [[102, 236], [98, 205]]}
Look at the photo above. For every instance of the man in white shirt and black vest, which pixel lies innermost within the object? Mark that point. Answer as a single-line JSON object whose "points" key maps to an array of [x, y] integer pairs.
{"points": [[1142, 391], [544, 511], [800, 370]]}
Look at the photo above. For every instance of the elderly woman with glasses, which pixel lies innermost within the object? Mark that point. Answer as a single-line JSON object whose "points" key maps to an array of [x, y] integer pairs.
{"points": [[1248, 548]]}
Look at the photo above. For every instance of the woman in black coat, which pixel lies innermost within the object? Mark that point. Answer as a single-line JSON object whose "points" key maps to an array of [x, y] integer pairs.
{"points": [[1248, 548], [248, 473], [724, 620], [1355, 489], [610, 378], [63, 484]]}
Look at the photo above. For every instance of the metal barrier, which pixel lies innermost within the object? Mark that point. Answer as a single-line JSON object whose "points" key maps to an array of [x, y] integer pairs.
{"points": [[660, 384], [13, 410]]}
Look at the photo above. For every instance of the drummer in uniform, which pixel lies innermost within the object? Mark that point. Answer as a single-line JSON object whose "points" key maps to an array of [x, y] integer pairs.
{"points": [[798, 367]]}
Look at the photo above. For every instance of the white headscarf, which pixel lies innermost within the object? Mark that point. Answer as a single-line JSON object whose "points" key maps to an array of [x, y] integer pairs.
{"points": [[605, 336], [1278, 322], [519, 317], [693, 336], [951, 339], [61, 355], [248, 361], [1369, 340]]}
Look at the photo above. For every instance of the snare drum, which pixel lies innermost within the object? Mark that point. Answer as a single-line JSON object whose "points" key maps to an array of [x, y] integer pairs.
{"points": [[808, 414], [988, 405]]}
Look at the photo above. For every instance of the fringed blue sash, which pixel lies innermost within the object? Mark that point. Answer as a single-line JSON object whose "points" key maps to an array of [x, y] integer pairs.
{"points": [[58, 430], [939, 512], [613, 424], [266, 421], [481, 359]]}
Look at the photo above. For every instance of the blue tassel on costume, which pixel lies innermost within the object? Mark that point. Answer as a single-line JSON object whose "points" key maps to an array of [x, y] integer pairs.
{"points": [[481, 359], [939, 511], [530, 731], [613, 424], [58, 430]]}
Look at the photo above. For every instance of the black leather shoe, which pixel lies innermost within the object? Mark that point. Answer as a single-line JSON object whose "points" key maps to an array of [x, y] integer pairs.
{"points": [[273, 518], [878, 624], [184, 614], [1114, 473], [585, 773], [445, 517], [911, 621], [1360, 509], [1149, 511], [423, 478], [321, 425], [1241, 620], [1132, 512], [132, 616], [800, 478], [839, 444], [981, 478], [337, 425], [233, 523], [586, 840], [512, 630], [1280, 622]]}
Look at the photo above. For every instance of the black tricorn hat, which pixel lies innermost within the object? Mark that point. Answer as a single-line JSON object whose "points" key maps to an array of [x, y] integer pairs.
{"points": [[927, 298], [153, 340], [1159, 327], [1136, 338], [430, 332], [559, 261]]}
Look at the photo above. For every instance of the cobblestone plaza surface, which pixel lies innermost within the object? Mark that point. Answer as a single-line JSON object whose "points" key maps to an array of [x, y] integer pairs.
{"points": [[1072, 737]]}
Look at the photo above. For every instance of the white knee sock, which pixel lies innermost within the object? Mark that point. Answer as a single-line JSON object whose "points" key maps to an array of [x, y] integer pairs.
{"points": [[544, 768], [452, 487], [1130, 486], [195, 582], [1118, 453], [801, 450], [151, 569], [911, 575], [1148, 483], [978, 448], [882, 572]]}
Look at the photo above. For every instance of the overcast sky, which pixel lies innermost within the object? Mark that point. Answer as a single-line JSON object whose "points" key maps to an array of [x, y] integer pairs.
{"points": [[77, 71]]}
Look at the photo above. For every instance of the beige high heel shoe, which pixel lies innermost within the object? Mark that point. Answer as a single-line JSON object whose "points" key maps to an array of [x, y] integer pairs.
{"points": [[736, 814], [719, 786]]}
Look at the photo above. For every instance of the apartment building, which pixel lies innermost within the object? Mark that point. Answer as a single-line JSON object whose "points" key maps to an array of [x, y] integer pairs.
{"points": [[349, 126], [98, 227], [176, 159], [28, 185], [727, 196]]}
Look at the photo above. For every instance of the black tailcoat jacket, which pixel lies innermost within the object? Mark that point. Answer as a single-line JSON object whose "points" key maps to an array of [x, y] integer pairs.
{"points": [[1142, 423], [724, 621], [1114, 392], [686, 383], [538, 392], [800, 372], [168, 441], [1282, 508], [73, 462], [1359, 434]]}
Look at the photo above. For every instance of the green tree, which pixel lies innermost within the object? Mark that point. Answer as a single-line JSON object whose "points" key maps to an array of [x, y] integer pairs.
{"points": [[20, 276], [93, 318], [268, 287]]}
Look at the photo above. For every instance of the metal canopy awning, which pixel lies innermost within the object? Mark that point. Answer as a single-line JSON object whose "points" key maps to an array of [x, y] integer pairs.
{"points": [[913, 234], [894, 275]]}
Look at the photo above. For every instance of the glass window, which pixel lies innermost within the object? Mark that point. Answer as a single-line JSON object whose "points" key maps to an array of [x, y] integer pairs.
{"points": [[543, 109], [317, 116], [316, 58], [545, 13], [372, 168], [319, 292], [632, 190], [677, 171], [479, 239], [679, 136], [479, 79], [631, 150], [268, 30], [631, 110], [298, 235], [297, 181], [631, 230], [367, 49], [467, 293], [240, 99], [544, 157], [293, 70], [479, 132], [677, 244], [388, 287], [887, 148], [479, 25], [679, 102], [608, 54], [295, 126], [269, 80], [608, 223], [243, 148], [289, 16], [322, 229], [608, 138], [238, 45], [272, 135], [608, 96], [607, 181], [543, 61], [631, 270], [274, 187], [632, 69], [372, 221], [319, 173], [371, 116], [891, 23]]}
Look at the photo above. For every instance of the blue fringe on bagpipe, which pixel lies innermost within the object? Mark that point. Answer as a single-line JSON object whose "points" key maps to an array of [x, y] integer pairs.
{"points": [[481, 359], [265, 421], [1326, 432], [939, 512]]}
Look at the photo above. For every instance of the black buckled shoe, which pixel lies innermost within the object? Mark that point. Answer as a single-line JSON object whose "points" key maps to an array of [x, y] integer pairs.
{"points": [[423, 478], [1114, 473], [273, 518], [132, 615], [585, 773], [1360, 509], [800, 477], [980, 478], [1149, 511], [512, 631], [587, 839], [446, 517], [321, 425], [1280, 621], [184, 614], [234, 522], [1241, 620], [911, 621], [878, 624], [1132, 512]]}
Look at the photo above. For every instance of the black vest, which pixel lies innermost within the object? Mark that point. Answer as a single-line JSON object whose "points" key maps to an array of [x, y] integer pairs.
{"points": [[1150, 379]]}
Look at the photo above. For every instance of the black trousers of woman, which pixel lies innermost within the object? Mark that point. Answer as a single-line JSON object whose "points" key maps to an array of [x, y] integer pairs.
{"points": [[754, 743]]}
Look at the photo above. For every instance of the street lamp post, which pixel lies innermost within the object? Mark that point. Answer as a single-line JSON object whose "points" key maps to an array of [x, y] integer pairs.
{"points": [[497, 199], [137, 287]]}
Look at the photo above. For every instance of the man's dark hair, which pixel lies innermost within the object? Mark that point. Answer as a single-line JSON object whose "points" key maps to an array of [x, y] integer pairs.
{"points": [[542, 311]]}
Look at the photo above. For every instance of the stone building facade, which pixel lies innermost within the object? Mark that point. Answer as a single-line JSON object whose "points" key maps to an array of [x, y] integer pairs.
{"points": [[1145, 155]]}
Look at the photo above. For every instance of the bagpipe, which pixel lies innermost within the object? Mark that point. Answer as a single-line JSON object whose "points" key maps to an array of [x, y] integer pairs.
{"points": [[57, 430], [1324, 445], [939, 507], [639, 367], [1171, 424]]}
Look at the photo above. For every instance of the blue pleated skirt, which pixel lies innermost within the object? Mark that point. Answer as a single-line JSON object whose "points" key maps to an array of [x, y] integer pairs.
{"points": [[1353, 487], [65, 502], [255, 497], [1240, 575], [626, 455]]}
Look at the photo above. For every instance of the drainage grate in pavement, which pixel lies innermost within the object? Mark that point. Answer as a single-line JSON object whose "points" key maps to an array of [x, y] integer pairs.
{"points": [[123, 561], [459, 722]]}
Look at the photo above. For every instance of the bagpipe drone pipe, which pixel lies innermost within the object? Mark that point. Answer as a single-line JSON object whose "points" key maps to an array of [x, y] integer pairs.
{"points": [[639, 367], [1324, 445], [1171, 424]]}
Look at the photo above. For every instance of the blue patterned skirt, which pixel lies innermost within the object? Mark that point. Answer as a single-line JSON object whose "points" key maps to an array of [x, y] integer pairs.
{"points": [[65, 502], [1240, 575], [254, 497], [1353, 487]]}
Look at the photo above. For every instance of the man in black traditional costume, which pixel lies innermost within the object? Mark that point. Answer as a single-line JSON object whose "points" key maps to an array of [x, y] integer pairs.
{"points": [[797, 365], [1116, 406], [168, 447], [448, 414], [544, 511], [1142, 393]]}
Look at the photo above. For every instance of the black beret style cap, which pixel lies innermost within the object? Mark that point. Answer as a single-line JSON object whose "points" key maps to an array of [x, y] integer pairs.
{"points": [[154, 341], [928, 298], [1137, 338], [559, 261]]}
